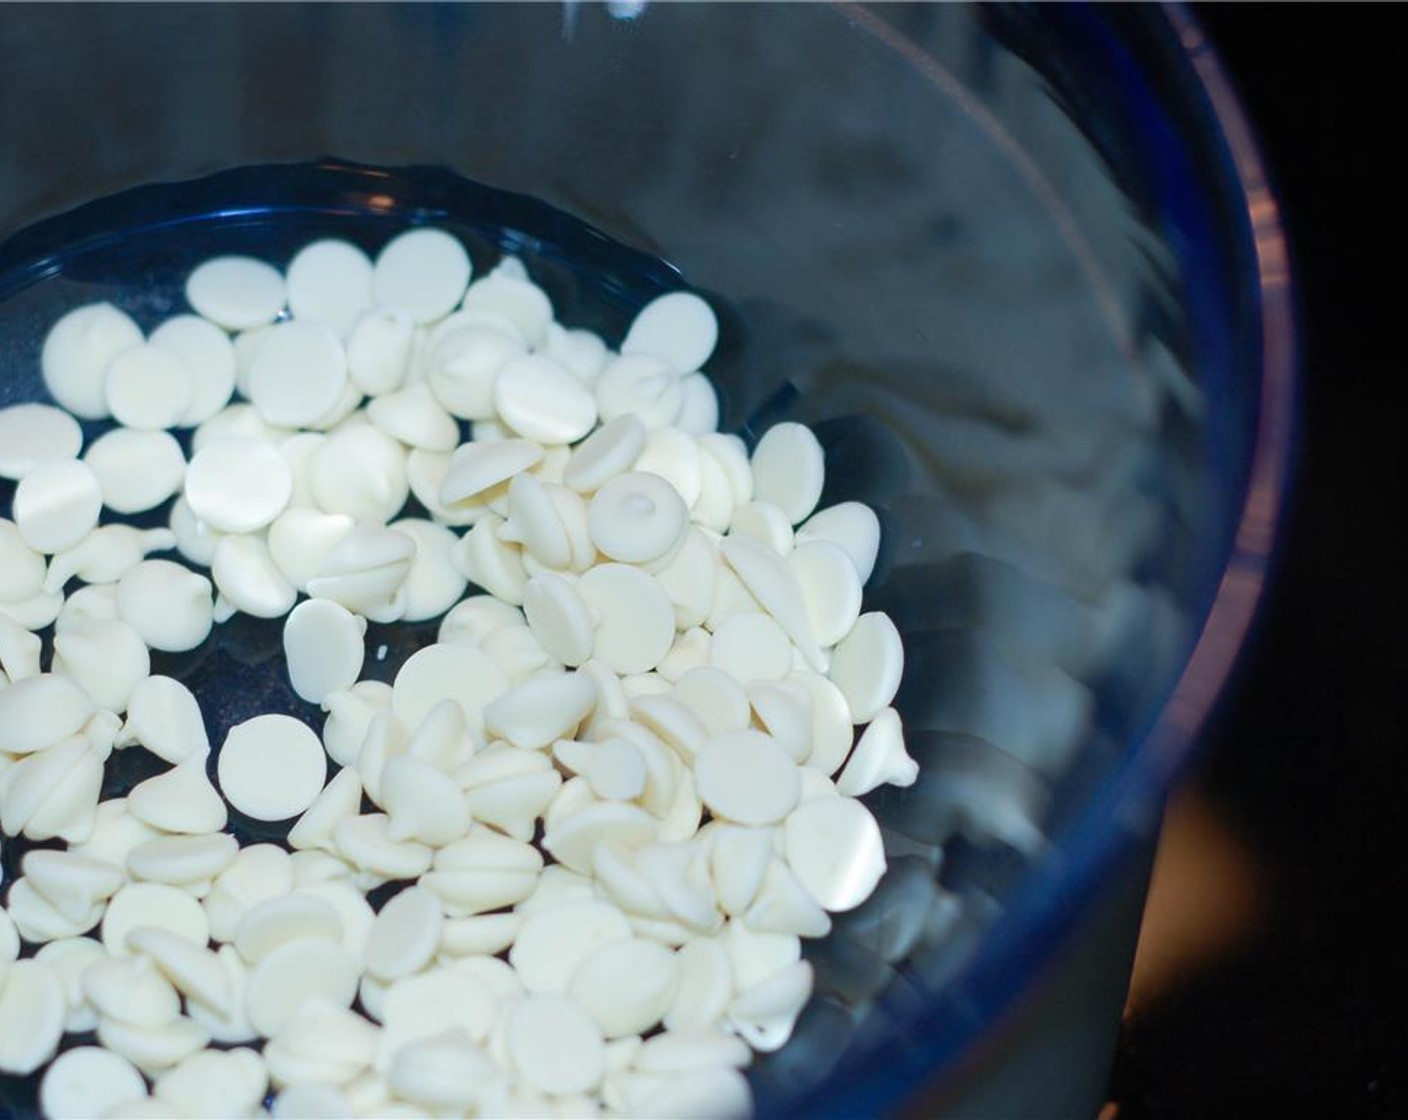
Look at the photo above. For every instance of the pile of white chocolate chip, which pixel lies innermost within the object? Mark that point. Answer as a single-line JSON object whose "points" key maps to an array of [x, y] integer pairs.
{"points": [[617, 792]]}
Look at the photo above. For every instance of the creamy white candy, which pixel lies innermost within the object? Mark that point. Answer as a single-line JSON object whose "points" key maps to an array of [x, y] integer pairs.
{"points": [[77, 351], [297, 374], [56, 504], [330, 282], [136, 470], [208, 362], [699, 687], [147, 388], [169, 605], [238, 485], [271, 767], [422, 271], [678, 326], [31, 434], [236, 292], [323, 647]]}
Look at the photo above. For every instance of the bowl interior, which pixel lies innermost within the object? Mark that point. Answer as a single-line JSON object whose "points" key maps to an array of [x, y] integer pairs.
{"points": [[998, 258]]}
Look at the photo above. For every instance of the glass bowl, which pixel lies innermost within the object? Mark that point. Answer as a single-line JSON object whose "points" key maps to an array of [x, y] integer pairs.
{"points": [[1018, 266]]}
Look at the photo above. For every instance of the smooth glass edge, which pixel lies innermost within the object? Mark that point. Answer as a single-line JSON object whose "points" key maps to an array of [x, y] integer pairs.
{"points": [[1171, 743], [1054, 904]]}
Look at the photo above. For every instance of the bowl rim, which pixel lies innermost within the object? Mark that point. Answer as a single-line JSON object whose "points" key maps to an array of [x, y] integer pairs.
{"points": [[1048, 907]]}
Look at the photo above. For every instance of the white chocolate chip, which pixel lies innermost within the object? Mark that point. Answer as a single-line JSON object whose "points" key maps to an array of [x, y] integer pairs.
{"points": [[236, 292], [56, 504], [169, 605], [879, 758], [555, 1046], [405, 935], [146, 388], [323, 647], [180, 800], [379, 350], [31, 434], [208, 363], [297, 374], [238, 485], [511, 298], [834, 848], [542, 401], [164, 717], [136, 470], [107, 659], [157, 905], [271, 767], [635, 621], [745, 777], [867, 666], [330, 282], [636, 517], [32, 1008], [298, 970], [626, 986], [789, 470], [678, 326], [422, 271], [77, 351]]}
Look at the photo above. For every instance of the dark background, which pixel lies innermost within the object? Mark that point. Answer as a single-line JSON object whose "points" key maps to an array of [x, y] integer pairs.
{"points": [[1305, 762]]}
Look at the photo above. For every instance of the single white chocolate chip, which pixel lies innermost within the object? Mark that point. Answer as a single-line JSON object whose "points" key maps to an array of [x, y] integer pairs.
{"points": [[542, 401], [147, 389], [637, 517], [789, 470], [749, 647], [214, 1084], [182, 859], [555, 1046], [422, 271], [33, 433], [164, 717], [271, 767], [635, 621], [330, 282], [236, 292], [180, 800], [508, 296], [267, 925], [745, 777], [834, 848], [642, 384], [867, 666], [323, 647], [40, 711], [405, 935], [626, 986], [238, 485], [88, 1081], [559, 618], [379, 350], [56, 504], [360, 471], [477, 467], [170, 606], [297, 374], [293, 973], [879, 758]]}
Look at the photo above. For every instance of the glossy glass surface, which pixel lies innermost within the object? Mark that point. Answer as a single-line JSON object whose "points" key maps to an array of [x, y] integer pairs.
{"points": [[1018, 266]]}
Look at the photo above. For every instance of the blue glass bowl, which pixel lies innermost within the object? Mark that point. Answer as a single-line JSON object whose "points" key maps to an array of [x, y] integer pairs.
{"points": [[1019, 267]]}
